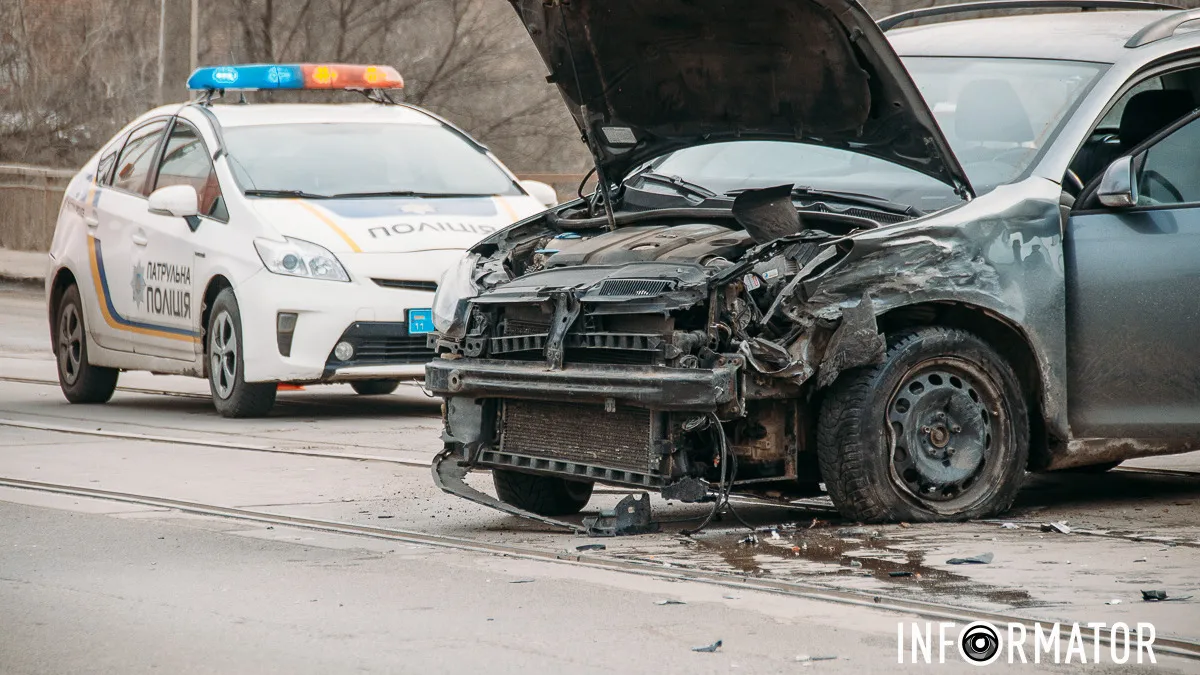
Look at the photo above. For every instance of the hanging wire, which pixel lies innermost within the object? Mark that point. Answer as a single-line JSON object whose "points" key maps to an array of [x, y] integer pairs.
{"points": [[722, 501]]}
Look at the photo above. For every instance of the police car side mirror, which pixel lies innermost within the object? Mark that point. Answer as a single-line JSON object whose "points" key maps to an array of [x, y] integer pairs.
{"points": [[1118, 186], [541, 192], [180, 201]]}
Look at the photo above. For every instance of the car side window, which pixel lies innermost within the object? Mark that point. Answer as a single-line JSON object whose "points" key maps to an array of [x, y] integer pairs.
{"points": [[186, 161], [1169, 172], [137, 158], [105, 165]]}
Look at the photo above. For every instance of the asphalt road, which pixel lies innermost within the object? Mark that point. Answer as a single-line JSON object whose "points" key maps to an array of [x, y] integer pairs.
{"points": [[95, 586]]}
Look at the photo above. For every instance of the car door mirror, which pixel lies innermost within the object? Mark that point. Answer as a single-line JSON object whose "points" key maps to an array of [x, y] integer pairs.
{"points": [[1118, 187], [541, 192], [180, 201]]}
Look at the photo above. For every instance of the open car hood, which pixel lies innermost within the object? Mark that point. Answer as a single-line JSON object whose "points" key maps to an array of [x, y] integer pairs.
{"points": [[645, 77]]}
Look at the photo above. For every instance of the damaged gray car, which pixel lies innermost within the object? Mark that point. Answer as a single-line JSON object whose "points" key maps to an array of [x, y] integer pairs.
{"points": [[909, 264]]}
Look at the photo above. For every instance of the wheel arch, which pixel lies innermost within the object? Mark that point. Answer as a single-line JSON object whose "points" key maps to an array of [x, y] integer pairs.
{"points": [[215, 285], [1003, 335], [64, 278]]}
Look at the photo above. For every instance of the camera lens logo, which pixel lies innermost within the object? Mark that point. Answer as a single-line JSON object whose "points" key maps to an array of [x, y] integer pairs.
{"points": [[979, 643]]}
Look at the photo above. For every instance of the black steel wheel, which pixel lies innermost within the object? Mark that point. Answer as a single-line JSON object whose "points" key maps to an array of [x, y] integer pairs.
{"points": [[80, 381], [543, 495], [374, 387], [938, 431]]}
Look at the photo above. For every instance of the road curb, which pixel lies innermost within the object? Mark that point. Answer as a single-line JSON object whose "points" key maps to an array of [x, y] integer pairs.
{"points": [[21, 280]]}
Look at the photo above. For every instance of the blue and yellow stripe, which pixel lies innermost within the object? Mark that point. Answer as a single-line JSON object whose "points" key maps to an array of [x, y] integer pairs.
{"points": [[113, 318]]}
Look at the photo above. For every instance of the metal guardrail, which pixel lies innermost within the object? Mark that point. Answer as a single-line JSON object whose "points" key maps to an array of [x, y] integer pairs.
{"points": [[30, 197]]}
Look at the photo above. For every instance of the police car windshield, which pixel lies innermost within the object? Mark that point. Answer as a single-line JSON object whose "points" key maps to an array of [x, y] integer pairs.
{"points": [[360, 160]]}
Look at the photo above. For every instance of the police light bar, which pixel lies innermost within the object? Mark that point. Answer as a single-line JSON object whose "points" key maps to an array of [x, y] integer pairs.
{"points": [[295, 76]]}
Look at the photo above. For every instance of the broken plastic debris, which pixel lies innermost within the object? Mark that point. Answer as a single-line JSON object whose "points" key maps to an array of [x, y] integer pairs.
{"points": [[855, 563], [900, 574], [981, 559], [1161, 596], [775, 534], [591, 547], [708, 648], [1140, 560], [1114, 601], [857, 532], [1009, 526], [1059, 527], [670, 602], [521, 581], [750, 540]]}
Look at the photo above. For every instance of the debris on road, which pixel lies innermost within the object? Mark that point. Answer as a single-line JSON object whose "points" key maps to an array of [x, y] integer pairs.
{"points": [[708, 648], [522, 581], [805, 658], [1161, 596], [1009, 526], [857, 532], [749, 540], [591, 547], [1114, 601], [981, 559], [1060, 527], [1139, 560], [900, 574], [670, 602]]}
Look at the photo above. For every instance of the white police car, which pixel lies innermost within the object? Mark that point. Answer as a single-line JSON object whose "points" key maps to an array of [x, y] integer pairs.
{"points": [[260, 244]]}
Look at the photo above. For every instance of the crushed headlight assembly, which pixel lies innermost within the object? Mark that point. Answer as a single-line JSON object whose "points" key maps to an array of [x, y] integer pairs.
{"points": [[299, 258], [454, 293]]}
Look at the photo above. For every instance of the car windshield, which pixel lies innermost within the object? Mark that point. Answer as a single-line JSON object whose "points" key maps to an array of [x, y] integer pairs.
{"points": [[997, 114], [361, 159]]}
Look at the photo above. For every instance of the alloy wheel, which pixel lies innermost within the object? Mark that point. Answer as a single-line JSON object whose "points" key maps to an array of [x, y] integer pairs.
{"points": [[70, 343], [223, 355]]}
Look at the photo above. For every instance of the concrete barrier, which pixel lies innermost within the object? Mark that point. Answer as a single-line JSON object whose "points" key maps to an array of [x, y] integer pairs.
{"points": [[30, 197]]}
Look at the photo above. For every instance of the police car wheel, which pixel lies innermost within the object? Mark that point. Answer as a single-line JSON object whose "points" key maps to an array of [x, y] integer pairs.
{"points": [[375, 387], [81, 382], [231, 394]]}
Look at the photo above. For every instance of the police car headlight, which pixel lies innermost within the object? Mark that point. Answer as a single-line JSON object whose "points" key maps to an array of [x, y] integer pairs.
{"points": [[453, 297], [299, 258]]}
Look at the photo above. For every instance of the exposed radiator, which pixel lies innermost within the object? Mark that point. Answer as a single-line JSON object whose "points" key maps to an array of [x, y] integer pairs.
{"points": [[580, 434]]}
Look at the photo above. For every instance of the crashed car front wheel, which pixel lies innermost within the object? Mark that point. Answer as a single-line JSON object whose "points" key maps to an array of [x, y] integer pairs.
{"points": [[938, 431], [543, 495]]}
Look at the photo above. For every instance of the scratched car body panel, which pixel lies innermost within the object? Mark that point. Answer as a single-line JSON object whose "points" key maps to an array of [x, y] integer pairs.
{"points": [[738, 310]]}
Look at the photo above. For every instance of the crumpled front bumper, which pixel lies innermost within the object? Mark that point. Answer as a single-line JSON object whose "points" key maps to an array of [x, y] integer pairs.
{"points": [[654, 387]]}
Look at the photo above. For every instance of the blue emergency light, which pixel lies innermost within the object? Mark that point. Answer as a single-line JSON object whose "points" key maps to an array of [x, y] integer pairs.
{"points": [[258, 76]]}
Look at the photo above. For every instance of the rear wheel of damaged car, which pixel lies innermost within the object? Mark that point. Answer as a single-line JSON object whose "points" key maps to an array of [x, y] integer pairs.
{"points": [[938, 431], [231, 394], [80, 381], [543, 495]]}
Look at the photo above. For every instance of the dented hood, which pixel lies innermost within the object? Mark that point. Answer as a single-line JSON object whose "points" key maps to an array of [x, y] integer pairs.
{"points": [[646, 77]]}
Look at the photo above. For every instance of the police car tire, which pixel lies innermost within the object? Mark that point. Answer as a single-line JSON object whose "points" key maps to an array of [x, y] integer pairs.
{"points": [[543, 495], [245, 399], [92, 384], [375, 387]]}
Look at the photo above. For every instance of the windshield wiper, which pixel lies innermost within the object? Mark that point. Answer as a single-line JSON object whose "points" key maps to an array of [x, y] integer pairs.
{"points": [[848, 197], [409, 193], [678, 183], [285, 194]]}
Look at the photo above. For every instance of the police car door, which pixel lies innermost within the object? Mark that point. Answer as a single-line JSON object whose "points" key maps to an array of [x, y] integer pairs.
{"points": [[118, 236], [176, 245]]}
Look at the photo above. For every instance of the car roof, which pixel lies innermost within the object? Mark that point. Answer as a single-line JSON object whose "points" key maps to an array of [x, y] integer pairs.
{"points": [[1098, 36], [243, 115]]}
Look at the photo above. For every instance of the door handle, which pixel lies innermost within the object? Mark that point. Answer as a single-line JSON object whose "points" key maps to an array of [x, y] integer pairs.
{"points": [[91, 221], [140, 239]]}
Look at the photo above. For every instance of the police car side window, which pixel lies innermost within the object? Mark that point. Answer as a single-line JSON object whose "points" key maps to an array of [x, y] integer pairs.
{"points": [[186, 162], [137, 158]]}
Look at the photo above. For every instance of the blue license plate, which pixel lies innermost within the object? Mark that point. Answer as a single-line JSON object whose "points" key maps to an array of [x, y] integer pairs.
{"points": [[420, 321]]}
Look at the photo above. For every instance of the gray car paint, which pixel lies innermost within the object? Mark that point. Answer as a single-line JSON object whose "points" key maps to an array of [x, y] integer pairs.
{"points": [[1003, 254]]}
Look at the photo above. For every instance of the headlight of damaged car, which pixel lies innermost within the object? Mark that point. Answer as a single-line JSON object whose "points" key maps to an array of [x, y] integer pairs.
{"points": [[299, 258], [454, 293]]}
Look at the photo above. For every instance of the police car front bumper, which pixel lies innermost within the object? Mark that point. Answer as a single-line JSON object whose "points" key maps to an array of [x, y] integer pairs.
{"points": [[373, 319]]}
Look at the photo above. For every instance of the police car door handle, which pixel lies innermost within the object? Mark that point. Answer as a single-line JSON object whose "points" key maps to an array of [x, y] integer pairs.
{"points": [[91, 221], [140, 239]]}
